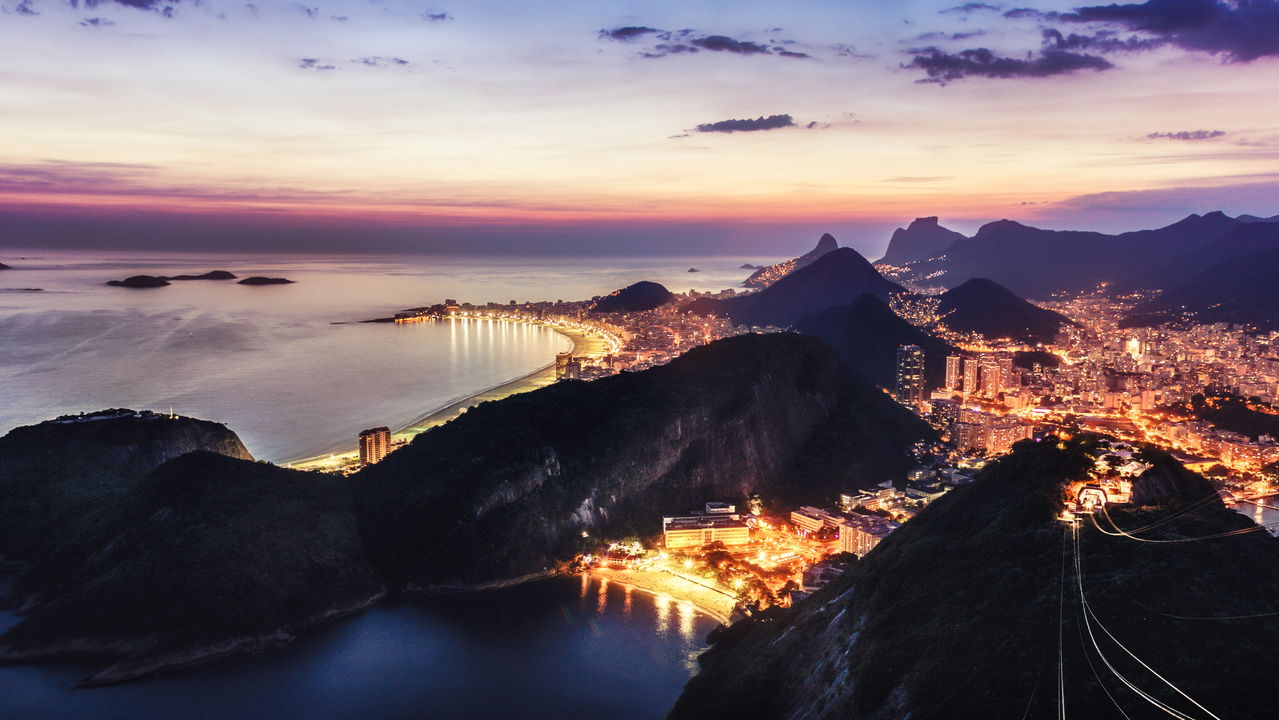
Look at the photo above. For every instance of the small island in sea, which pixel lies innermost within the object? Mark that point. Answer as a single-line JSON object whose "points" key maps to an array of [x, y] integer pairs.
{"points": [[5, 267], [259, 280], [140, 281]]}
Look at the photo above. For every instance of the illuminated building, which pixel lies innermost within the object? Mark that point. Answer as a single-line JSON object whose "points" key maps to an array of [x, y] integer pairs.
{"points": [[562, 361], [971, 375], [689, 531], [954, 372], [910, 375], [374, 444], [859, 534]]}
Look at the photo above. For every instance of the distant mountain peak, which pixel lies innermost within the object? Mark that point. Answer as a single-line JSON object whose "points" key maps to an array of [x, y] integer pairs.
{"points": [[924, 238], [765, 276]]}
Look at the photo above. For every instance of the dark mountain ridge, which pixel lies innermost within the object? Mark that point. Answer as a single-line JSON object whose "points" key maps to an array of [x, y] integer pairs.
{"points": [[867, 334], [769, 274], [961, 612], [1238, 290], [836, 278]]}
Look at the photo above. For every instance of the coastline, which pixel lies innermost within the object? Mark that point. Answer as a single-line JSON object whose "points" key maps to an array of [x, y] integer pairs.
{"points": [[582, 344], [715, 604]]}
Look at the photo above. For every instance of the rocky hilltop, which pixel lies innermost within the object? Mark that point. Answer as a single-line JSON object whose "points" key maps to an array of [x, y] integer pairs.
{"points": [[510, 487], [961, 612], [991, 310], [837, 278], [769, 274], [1240, 290], [58, 475], [922, 239], [867, 334], [638, 297]]}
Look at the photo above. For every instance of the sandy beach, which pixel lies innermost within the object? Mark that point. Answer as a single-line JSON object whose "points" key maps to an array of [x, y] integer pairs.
{"points": [[583, 344], [710, 601]]}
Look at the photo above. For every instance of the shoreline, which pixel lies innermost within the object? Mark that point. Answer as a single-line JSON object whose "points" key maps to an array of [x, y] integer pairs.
{"points": [[715, 604], [582, 344]]}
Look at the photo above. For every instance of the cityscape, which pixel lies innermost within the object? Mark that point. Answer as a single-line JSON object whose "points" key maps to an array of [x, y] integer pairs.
{"points": [[386, 360]]}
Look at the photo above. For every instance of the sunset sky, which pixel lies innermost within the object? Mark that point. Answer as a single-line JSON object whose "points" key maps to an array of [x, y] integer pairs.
{"points": [[609, 126]]}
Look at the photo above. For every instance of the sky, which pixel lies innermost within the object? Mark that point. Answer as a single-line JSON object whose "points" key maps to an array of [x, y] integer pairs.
{"points": [[623, 127]]}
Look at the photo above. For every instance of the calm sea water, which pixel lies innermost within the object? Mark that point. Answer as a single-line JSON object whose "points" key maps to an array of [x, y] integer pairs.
{"points": [[559, 648], [286, 367]]}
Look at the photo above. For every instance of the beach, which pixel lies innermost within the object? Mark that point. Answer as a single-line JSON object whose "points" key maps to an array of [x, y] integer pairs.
{"points": [[712, 602], [583, 345]]}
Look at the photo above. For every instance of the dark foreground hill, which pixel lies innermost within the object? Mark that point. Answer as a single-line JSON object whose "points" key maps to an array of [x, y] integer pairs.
{"points": [[989, 309], [209, 555], [58, 473], [836, 278], [961, 613], [206, 556], [1241, 290], [769, 274], [641, 296], [867, 334], [510, 487]]}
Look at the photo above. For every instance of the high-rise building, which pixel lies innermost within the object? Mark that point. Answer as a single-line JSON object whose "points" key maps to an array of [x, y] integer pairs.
{"points": [[562, 361], [375, 443], [954, 372], [910, 375], [971, 375]]}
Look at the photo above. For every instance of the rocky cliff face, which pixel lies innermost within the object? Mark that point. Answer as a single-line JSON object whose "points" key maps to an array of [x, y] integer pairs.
{"points": [[769, 274], [923, 239], [961, 614], [57, 474], [509, 488]]}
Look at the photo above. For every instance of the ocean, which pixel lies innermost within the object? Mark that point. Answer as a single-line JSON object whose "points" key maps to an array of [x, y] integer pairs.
{"points": [[289, 367]]}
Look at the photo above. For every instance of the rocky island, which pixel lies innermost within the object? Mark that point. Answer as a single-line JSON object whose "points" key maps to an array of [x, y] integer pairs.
{"points": [[259, 280], [140, 281]]}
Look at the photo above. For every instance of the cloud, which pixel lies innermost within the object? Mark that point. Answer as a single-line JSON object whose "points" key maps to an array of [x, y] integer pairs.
{"points": [[688, 42], [950, 36], [942, 67], [97, 22], [1186, 135], [377, 61], [772, 122], [723, 43], [627, 33], [436, 16], [973, 7], [1103, 41], [1243, 30], [314, 64]]}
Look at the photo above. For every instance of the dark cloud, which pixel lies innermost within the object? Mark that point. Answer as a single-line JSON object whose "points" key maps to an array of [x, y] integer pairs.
{"points": [[942, 67], [783, 52], [1019, 13], [950, 36], [627, 33], [723, 43], [1103, 41], [24, 8], [436, 16], [97, 22], [772, 122], [973, 7], [1241, 30], [1186, 135]]}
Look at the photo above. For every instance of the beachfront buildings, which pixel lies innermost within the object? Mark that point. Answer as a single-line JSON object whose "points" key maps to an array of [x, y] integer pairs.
{"points": [[375, 443], [717, 522]]}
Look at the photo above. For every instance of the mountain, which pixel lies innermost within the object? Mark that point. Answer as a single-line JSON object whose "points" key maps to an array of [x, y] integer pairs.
{"points": [[923, 239], [991, 310], [57, 474], [836, 278], [965, 611], [206, 556], [1036, 263], [641, 296], [867, 333], [1239, 290], [5, 267], [769, 274], [510, 487]]}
